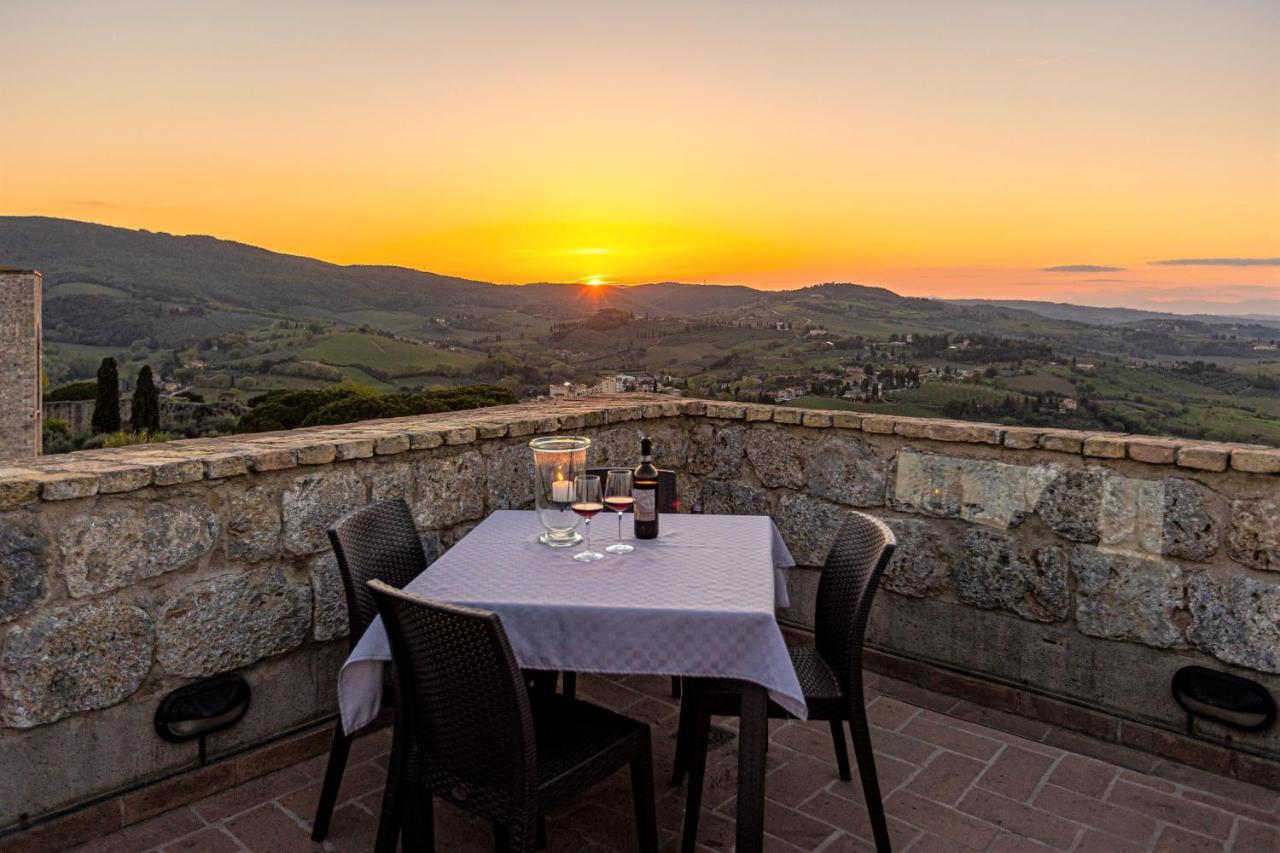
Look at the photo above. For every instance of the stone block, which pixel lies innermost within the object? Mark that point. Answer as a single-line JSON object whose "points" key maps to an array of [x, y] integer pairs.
{"points": [[1254, 539], [320, 453], [1188, 530], [67, 485], [460, 435], [172, 472], [271, 458], [522, 426], [921, 564], [1021, 438], [994, 494], [1121, 597], [722, 497], [912, 427], [1131, 514], [731, 411], [1105, 446], [73, 659], [1204, 457], [509, 477], [227, 621], [1062, 441], [816, 420], [312, 501], [446, 491], [694, 408], [847, 471], [125, 540], [388, 479], [18, 488], [328, 600], [879, 424], [779, 458], [24, 564], [716, 449], [113, 479], [220, 465], [846, 420], [1072, 502], [253, 523], [964, 432], [391, 445], [759, 413], [787, 415], [1153, 451], [362, 448], [808, 526], [489, 429], [994, 572], [1256, 460], [1237, 621]]}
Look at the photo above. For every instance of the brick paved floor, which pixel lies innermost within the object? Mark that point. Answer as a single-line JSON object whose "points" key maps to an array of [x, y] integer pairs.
{"points": [[955, 777]]}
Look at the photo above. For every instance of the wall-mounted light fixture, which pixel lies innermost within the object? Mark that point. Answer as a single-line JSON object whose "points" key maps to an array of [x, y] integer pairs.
{"points": [[200, 709], [1236, 702]]}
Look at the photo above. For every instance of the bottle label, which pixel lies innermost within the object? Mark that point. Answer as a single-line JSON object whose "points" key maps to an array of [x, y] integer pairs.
{"points": [[646, 508]]}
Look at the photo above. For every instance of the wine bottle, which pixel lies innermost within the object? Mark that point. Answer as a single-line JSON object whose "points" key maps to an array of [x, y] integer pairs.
{"points": [[644, 486]]}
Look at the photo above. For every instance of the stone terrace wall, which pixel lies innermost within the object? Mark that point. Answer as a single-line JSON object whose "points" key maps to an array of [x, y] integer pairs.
{"points": [[1086, 568]]}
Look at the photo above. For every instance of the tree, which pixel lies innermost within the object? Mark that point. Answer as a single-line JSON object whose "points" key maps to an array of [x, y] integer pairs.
{"points": [[106, 409], [145, 415]]}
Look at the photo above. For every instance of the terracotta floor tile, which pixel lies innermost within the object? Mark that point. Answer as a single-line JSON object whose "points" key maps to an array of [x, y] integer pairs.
{"points": [[1175, 840], [1019, 819], [946, 777], [1015, 773]]}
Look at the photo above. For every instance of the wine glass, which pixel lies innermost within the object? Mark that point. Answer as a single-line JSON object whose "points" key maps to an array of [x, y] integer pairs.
{"points": [[617, 497], [586, 503]]}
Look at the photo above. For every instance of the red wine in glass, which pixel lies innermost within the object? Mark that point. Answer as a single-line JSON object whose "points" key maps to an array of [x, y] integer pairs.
{"points": [[619, 503], [587, 509]]}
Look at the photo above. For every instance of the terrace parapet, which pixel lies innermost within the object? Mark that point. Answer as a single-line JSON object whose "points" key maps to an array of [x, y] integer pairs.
{"points": [[1071, 570]]}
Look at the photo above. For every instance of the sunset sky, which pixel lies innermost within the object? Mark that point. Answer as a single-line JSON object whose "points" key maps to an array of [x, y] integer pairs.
{"points": [[945, 148]]}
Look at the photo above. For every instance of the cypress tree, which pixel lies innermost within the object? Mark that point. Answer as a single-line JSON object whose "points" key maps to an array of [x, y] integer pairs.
{"points": [[145, 415], [106, 410]]}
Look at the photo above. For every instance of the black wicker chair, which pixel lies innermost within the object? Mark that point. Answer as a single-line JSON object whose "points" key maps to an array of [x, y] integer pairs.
{"points": [[378, 541], [468, 730], [830, 672], [668, 502]]}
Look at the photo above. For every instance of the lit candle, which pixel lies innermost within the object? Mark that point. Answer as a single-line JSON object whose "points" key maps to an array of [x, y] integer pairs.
{"points": [[561, 490]]}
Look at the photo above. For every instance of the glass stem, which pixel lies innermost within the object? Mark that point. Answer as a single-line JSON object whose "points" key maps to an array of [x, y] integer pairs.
{"points": [[588, 534], [619, 527]]}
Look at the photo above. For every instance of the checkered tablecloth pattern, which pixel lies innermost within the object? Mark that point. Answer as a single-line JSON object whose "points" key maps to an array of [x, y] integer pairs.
{"points": [[699, 601]]}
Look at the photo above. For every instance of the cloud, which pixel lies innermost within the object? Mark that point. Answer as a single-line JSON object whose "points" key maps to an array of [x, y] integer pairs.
{"points": [[1219, 262], [1081, 268]]}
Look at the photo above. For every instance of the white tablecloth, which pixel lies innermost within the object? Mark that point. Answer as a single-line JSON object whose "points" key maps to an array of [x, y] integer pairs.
{"points": [[699, 600]]}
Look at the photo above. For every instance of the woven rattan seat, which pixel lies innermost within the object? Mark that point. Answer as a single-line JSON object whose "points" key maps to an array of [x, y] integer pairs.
{"points": [[830, 672], [469, 730], [376, 542]]}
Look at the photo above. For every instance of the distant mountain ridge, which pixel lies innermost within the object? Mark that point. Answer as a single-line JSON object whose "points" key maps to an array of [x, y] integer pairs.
{"points": [[1113, 316], [99, 264]]}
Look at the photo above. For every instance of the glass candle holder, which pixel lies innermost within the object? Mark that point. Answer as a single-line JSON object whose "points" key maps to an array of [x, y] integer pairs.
{"points": [[557, 460]]}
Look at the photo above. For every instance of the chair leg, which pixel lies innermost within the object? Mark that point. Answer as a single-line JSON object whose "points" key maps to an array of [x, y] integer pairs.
{"points": [[842, 753], [333, 771], [570, 685], [697, 771], [862, 750], [685, 729], [391, 818], [675, 686], [419, 829], [501, 838], [642, 798]]}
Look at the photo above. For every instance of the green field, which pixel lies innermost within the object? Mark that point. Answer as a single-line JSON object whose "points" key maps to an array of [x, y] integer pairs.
{"points": [[388, 355]]}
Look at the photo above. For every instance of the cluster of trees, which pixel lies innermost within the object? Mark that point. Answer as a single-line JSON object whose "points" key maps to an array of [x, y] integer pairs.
{"points": [[144, 414], [346, 402]]}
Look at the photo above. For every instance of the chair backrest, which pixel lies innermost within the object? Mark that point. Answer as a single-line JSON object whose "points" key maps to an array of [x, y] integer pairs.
{"points": [[668, 499], [461, 698], [376, 542], [862, 548]]}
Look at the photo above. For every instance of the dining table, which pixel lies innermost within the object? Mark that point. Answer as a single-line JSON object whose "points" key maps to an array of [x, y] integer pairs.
{"points": [[698, 601]]}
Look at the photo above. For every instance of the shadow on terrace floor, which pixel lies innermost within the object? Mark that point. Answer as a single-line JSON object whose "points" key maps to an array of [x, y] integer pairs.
{"points": [[956, 777]]}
